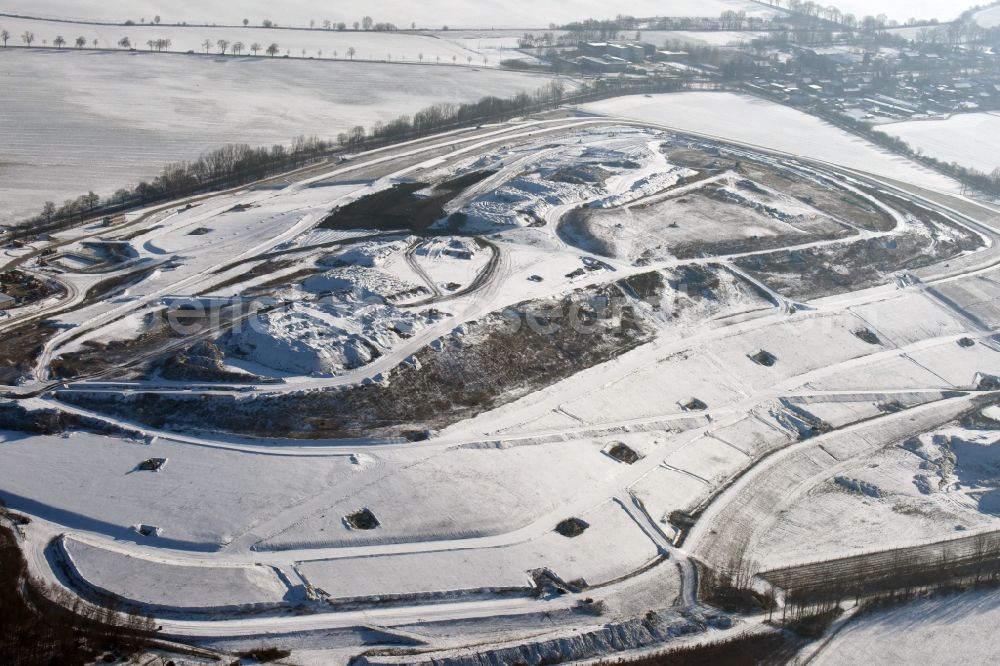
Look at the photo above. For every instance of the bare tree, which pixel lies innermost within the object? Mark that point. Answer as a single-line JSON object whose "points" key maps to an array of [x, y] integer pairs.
{"points": [[156, 19], [81, 42], [223, 44], [357, 26], [273, 49], [91, 200], [350, 52], [4, 35], [207, 44], [151, 44], [246, 22], [255, 47], [48, 210], [28, 37], [420, 57], [238, 48], [125, 43], [326, 25], [312, 24], [95, 42], [367, 23], [341, 26], [59, 41]]}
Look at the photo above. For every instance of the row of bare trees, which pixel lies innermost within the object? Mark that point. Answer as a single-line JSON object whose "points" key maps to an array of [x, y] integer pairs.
{"points": [[225, 167], [237, 48], [43, 625], [237, 164]]}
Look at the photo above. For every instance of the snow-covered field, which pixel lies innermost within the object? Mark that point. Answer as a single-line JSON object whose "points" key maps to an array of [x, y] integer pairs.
{"points": [[766, 124], [112, 119], [474, 411], [319, 44], [989, 17], [203, 498], [969, 139], [437, 13], [937, 631]]}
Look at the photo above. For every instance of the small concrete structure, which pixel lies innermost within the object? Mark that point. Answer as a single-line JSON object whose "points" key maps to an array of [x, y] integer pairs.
{"points": [[7, 302]]}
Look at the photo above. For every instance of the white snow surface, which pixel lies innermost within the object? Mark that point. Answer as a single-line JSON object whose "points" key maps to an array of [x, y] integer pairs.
{"points": [[765, 124], [112, 119], [326, 44], [969, 139], [937, 632], [433, 14], [173, 586], [989, 17]]}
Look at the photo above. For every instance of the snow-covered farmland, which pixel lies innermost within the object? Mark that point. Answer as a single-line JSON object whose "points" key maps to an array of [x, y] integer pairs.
{"points": [[434, 14], [319, 44], [941, 630], [969, 139], [766, 124], [114, 118], [989, 17]]}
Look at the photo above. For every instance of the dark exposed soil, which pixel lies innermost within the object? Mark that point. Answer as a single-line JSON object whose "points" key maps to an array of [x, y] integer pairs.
{"points": [[20, 349], [851, 266], [26, 289], [646, 286], [621, 452], [764, 358], [694, 405], [151, 465], [203, 362], [867, 335], [399, 207], [572, 527], [696, 281], [265, 655], [116, 285], [362, 520], [508, 359], [823, 194]]}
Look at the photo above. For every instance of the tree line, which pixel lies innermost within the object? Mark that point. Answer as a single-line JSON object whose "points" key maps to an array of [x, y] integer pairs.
{"points": [[444, 116], [41, 624], [237, 164]]}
